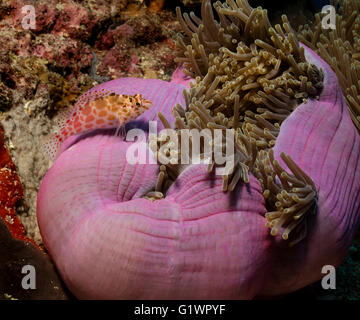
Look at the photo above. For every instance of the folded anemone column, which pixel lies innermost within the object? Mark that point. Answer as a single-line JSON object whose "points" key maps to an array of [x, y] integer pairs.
{"points": [[322, 140]]}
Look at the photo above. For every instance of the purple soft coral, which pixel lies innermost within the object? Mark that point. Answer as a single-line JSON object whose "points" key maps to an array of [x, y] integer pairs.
{"points": [[198, 242]]}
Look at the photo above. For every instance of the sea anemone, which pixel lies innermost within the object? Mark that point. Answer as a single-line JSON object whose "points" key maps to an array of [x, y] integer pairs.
{"points": [[175, 231]]}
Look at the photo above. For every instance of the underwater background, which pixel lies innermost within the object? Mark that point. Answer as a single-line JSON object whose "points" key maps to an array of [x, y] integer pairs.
{"points": [[43, 70]]}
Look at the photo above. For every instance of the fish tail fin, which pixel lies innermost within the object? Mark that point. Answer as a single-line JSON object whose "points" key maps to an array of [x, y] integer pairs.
{"points": [[61, 118], [51, 145]]}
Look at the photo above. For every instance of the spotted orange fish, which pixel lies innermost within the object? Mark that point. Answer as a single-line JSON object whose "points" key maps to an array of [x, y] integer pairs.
{"points": [[99, 112]]}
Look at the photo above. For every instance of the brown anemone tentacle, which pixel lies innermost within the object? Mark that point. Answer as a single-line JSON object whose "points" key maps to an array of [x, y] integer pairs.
{"points": [[291, 197], [340, 48], [249, 77]]}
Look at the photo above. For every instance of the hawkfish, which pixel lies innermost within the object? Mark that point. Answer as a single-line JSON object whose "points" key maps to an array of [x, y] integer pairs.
{"points": [[102, 111]]}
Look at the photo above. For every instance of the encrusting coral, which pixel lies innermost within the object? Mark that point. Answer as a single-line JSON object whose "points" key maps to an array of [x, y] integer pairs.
{"points": [[16, 248], [340, 48], [249, 77]]}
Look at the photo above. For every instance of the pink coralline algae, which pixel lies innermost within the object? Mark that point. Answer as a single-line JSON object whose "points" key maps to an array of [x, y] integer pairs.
{"points": [[59, 17], [67, 56], [58, 52], [33, 58], [198, 242], [141, 35]]}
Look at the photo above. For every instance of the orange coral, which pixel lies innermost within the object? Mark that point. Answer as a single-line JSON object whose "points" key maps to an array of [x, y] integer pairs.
{"points": [[156, 5]]}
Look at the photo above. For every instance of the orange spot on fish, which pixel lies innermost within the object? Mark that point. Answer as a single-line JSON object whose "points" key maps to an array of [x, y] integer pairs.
{"points": [[77, 125], [114, 97], [102, 113], [100, 103], [90, 118], [87, 110]]}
